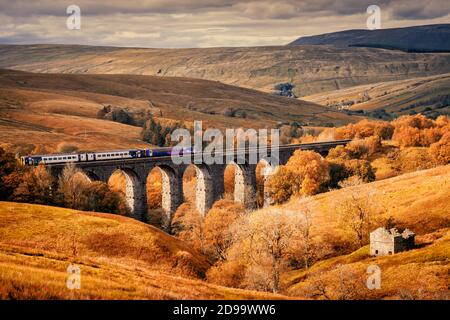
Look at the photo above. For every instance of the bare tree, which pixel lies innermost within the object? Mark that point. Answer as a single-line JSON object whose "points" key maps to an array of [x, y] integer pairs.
{"points": [[267, 239], [71, 184], [305, 230], [358, 213]]}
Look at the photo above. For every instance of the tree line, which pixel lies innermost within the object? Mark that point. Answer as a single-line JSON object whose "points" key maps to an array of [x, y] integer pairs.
{"points": [[72, 189]]}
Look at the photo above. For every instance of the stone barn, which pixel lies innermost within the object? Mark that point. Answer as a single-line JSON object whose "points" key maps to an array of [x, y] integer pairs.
{"points": [[385, 242]]}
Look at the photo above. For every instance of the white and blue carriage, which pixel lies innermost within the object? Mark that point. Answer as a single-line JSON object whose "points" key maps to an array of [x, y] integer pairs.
{"points": [[34, 160]]}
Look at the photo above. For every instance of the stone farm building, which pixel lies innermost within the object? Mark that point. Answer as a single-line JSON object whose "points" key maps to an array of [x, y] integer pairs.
{"points": [[385, 242]]}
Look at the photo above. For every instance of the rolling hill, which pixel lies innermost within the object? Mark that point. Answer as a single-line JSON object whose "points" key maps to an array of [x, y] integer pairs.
{"points": [[310, 68], [421, 273], [48, 109], [429, 38], [119, 258], [418, 201], [427, 95]]}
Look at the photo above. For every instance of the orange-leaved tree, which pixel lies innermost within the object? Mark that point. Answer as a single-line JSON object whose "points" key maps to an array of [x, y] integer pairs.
{"points": [[305, 173]]}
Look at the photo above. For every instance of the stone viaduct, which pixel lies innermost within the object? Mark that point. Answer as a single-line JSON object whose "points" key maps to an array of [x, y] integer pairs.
{"points": [[210, 178]]}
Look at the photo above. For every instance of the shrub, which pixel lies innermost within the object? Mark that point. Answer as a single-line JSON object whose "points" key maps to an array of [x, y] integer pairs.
{"points": [[65, 147], [440, 151]]}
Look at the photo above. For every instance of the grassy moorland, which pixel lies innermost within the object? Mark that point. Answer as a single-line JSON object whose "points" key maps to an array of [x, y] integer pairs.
{"points": [[418, 201], [417, 95], [310, 68], [44, 110], [120, 258], [416, 274]]}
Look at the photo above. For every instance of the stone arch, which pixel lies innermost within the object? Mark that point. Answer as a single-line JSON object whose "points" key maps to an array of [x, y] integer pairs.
{"points": [[244, 184], [204, 188], [266, 171], [135, 192], [172, 195]]}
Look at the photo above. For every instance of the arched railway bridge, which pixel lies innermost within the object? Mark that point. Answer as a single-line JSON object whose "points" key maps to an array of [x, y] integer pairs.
{"points": [[210, 177]]}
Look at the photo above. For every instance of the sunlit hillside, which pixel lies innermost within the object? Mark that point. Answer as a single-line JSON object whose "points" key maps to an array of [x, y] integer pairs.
{"points": [[427, 95], [311, 69], [119, 258], [421, 273], [418, 201], [43, 110]]}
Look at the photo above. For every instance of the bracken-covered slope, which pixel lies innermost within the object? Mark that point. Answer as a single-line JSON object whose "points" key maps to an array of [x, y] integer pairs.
{"points": [[48, 109], [419, 201], [311, 68], [118, 257]]}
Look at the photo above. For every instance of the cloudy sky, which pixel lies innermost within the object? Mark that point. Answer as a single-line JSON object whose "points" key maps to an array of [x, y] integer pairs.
{"points": [[202, 23]]}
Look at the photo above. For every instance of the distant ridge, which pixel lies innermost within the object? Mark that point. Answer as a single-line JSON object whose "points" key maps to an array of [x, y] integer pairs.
{"points": [[429, 38]]}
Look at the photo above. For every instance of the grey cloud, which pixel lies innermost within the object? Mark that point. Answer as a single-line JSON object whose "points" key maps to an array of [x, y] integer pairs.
{"points": [[421, 10], [256, 9], [202, 23]]}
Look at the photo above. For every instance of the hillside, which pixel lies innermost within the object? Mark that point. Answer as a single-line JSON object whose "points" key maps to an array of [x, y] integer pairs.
{"points": [[418, 201], [417, 274], [47, 109], [311, 69], [431, 38], [427, 95], [119, 258]]}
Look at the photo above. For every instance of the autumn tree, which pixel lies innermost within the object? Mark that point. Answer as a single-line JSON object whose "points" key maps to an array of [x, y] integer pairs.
{"points": [[283, 184], [217, 232], [364, 129], [305, 173], [9, 174], [440, 151], [265, 242], [352, 160], [76, 191], [416, 131], [307, 241], [97, 196], [37, 185], [71, 184], [188, 225], [357, 214]]}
